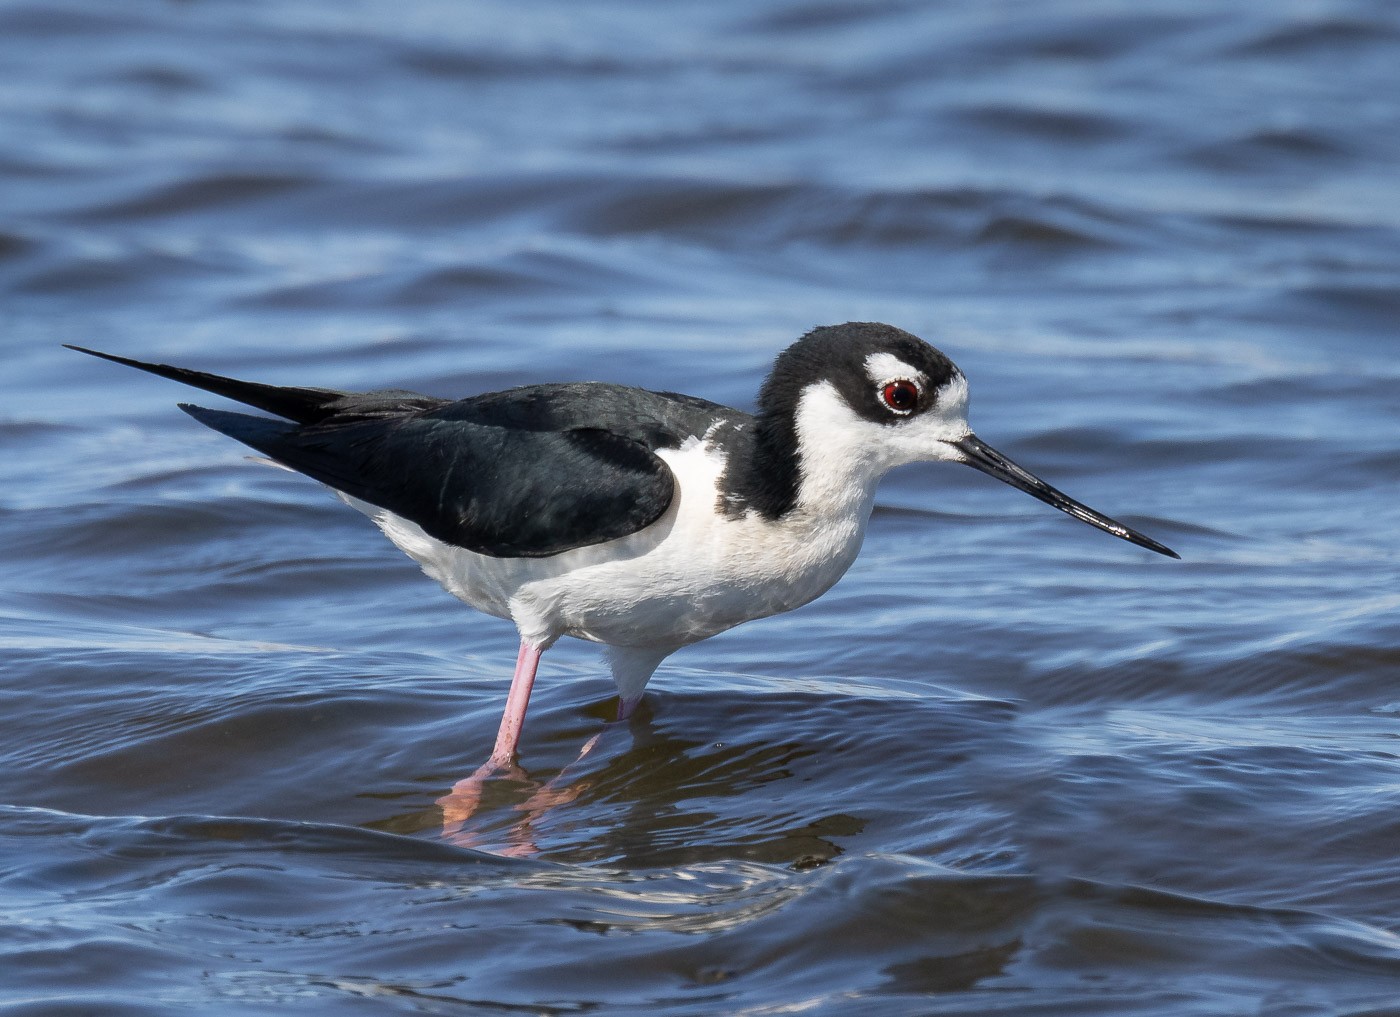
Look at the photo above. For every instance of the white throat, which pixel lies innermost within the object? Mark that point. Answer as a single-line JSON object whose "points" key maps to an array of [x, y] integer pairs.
{"points": [[839, 466]]}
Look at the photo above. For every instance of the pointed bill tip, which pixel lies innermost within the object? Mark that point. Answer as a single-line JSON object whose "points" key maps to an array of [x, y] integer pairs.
{"points": [[103, 356], [1142, 540], [981, 456]]}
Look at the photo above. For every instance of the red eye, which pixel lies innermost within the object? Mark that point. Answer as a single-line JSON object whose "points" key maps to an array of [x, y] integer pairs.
{"points": [[900, 396]]}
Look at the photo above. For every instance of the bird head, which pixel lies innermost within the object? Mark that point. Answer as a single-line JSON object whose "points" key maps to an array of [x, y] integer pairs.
{"points": [[864, 397]]}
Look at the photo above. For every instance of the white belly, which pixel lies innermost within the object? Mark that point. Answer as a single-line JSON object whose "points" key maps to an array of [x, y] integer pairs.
{"points": [[686, 577]]}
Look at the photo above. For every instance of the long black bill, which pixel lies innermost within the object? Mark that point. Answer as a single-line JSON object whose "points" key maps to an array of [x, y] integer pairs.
{"points": [[977, 453]]}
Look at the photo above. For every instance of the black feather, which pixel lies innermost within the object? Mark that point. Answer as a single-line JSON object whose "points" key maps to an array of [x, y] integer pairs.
{"points": [[304, 405], [529, 472], [462, 482]]}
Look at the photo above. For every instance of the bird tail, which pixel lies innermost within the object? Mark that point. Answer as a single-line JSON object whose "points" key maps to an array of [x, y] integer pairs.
{"points": [[304, 405]]}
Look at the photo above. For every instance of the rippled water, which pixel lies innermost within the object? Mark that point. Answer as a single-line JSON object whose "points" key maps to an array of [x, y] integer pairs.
{"points": [[1009, 765]]}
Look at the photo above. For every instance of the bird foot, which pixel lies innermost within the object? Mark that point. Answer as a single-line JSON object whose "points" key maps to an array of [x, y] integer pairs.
{"points": [[464, 800]]}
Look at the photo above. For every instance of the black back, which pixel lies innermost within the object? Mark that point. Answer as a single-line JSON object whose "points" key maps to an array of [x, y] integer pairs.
{"points": [[529, 472]]}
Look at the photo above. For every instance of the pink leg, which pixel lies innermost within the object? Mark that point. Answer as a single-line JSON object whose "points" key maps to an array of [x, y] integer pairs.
{"points": [[513, 720], [461, 803]]}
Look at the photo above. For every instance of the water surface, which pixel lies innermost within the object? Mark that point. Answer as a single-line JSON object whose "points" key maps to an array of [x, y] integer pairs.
{"points": [[1009, 765]]}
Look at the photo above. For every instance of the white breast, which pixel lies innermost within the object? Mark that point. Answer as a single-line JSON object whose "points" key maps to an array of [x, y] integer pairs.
{"points": [[691, 574]]}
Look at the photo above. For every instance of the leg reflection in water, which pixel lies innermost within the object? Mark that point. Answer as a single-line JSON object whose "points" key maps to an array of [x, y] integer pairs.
{"points": [[463, 802]]}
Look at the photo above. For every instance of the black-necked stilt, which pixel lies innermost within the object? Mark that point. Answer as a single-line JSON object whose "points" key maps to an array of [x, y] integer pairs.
{"points": [[641, 520]]}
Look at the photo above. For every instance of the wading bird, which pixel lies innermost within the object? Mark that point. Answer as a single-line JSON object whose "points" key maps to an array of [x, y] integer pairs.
{"points": [[641, 520]]}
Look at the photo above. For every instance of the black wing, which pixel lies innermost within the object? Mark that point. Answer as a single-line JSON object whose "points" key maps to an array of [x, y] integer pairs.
{"points": [[507, 493], [530, 472]]}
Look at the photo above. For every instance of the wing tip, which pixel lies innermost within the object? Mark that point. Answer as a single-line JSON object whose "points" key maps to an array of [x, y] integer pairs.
{"points": [[201, 413], [248, 428]]}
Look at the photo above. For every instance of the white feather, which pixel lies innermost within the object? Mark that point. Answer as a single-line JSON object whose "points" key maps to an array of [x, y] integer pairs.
{"points": [[696, 571], [882, 368]]}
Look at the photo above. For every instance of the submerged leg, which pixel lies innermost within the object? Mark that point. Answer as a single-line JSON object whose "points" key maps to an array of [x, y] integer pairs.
{"points": [[513, 720], [626, 705], [632, 667]]}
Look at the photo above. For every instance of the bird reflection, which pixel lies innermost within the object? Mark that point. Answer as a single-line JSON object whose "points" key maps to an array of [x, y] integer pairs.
{"points": [[640, 773], [464, 800]]}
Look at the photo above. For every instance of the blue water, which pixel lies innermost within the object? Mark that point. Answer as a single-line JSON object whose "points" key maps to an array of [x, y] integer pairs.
{"points": [[1008, 766]]}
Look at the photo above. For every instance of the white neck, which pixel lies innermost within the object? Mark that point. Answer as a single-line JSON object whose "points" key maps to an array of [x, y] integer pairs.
{"points": [[839, 466]]}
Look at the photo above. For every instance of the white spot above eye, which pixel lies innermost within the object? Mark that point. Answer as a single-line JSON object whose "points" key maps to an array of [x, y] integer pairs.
{"points": [[883, 368]]}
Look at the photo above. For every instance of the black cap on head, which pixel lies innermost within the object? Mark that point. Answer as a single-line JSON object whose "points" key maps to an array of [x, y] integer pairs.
{"points": [[838, 354]]}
